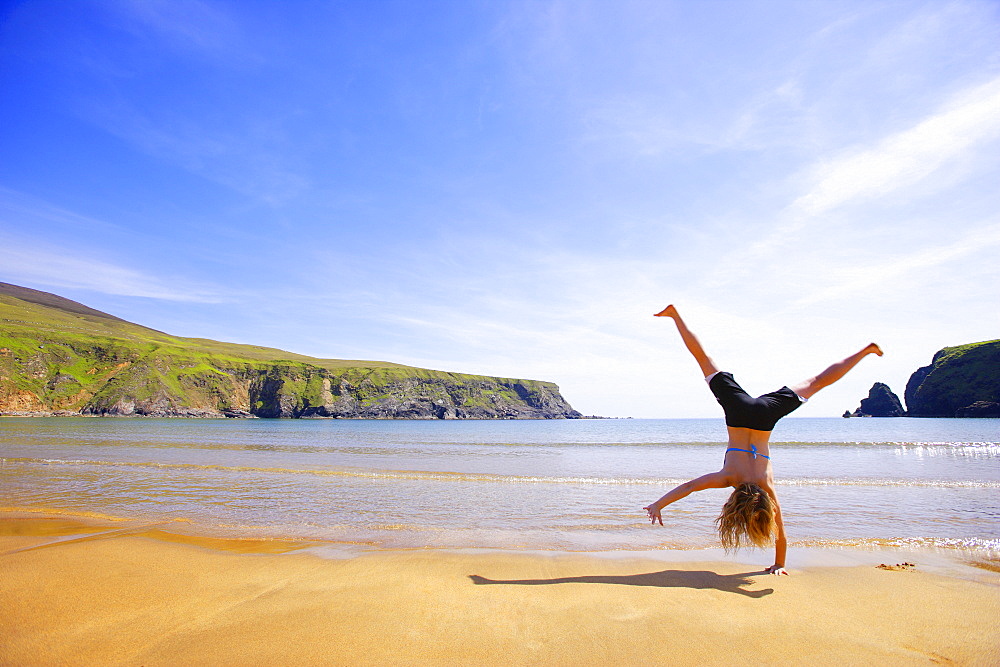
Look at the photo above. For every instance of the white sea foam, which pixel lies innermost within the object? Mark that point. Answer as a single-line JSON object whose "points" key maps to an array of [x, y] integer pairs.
{"points": [[444, 476]]}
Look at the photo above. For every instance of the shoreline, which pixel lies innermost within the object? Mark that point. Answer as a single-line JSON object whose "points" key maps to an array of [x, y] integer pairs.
{"points": [[90, 591], [45, 525]]}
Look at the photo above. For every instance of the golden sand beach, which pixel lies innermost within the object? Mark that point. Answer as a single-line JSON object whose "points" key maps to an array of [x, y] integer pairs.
{"points": [[84, 592]]}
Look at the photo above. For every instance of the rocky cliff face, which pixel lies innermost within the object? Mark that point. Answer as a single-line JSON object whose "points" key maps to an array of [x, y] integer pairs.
{"points": [[283, 392], [962, 381], [881, 402], [60, 357], [170, 385], [299, 390]]}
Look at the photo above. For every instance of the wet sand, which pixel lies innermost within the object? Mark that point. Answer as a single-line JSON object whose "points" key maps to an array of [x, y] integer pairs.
{"points": [[77, 591]]}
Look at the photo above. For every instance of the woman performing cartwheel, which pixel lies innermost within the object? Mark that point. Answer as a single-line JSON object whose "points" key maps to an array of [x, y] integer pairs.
{"points": [[752, 515]]}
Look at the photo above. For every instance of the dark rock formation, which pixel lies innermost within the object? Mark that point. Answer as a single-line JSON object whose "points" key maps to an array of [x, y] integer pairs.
{"points": [[881, 402], [297, 391], [960, 381], [980, 409]]}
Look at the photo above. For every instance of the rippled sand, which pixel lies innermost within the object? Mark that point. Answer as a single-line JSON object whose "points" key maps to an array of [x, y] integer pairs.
{"points": [[89, 591]]}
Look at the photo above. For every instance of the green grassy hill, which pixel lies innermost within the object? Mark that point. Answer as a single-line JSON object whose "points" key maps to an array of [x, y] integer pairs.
{"points": [[961, 381], [60, 356]]}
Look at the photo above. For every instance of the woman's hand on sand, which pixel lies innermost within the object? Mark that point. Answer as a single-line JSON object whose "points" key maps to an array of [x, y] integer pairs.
{"points": [[776, 569], [654, 515]]}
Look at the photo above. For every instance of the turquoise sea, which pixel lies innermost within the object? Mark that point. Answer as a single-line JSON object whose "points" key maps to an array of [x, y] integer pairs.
{"points": [[536, 485]]}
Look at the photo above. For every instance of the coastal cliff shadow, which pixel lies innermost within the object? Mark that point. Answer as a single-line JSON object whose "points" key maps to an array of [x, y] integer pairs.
{"points": [[697, 579]]}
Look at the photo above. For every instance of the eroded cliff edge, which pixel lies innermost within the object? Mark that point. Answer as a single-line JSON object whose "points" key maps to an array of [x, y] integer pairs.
{"points": [[60, 357], [961, 381]]}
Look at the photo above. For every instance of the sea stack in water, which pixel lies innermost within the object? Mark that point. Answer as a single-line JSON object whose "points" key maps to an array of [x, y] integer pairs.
{"points": [[881, 402]]}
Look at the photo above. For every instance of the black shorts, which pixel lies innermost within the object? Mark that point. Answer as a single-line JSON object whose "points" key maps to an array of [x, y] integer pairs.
{"points": [[744, 411]]}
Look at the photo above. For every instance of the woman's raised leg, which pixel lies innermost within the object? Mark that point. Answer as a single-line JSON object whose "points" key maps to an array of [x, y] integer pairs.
{"points": [[691, 341], [835, 372]]}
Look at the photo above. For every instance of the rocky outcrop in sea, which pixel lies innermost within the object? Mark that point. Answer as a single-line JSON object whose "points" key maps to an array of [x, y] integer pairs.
{"points": [[961, 381], [881, 402]]}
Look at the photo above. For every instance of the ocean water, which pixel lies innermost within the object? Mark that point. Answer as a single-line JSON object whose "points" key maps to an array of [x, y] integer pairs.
{"points": [[536, 485]]}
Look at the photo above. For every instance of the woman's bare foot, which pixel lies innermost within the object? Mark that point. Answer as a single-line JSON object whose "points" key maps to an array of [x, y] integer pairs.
{"points": [[873, 349], [669, 311]]}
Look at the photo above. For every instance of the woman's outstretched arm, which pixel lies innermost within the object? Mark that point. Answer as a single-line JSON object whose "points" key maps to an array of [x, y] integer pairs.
{"points": [[713, 480], [780, 542]]}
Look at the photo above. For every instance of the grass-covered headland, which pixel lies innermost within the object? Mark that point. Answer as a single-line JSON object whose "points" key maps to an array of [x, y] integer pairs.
{"points": [[60, 357], [961, 381]]}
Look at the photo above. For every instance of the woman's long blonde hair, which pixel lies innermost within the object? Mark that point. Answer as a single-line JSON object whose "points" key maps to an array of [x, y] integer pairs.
{"points": [[747, 518]]}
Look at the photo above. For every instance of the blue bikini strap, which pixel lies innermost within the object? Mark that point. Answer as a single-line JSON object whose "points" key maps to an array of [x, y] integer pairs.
{"points": [[752, 451]]}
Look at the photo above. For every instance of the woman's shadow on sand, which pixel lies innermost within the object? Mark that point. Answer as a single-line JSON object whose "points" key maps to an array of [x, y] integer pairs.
{"points": [[698, 579]]}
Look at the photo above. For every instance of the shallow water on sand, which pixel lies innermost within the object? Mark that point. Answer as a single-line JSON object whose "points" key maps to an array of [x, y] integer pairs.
{"points": [[541, 485]]}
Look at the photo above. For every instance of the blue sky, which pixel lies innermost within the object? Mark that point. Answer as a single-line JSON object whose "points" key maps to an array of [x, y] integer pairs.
{"points": [[513, 188]]}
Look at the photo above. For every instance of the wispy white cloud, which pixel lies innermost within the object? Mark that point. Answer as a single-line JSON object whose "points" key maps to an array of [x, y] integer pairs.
{"points": [[22, 211], [25, 258], [181, 24], [856, 280], [246, 157], [936, 152], [230, 141], [806, 90], [907, 158], [63, 268], [775, 115]]}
